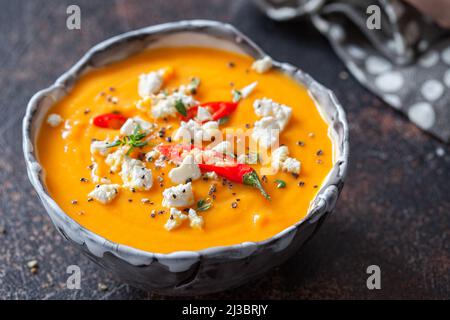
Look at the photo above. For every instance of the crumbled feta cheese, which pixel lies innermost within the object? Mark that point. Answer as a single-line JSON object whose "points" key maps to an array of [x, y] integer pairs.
{"points": [[114, 160], [178, 196], [188, 169], [196, 220], [246, 91], [176, 218], [196, 131], [256, 218], [130, 125], [279, 155], [144, 104], [164, 106], [135, 175], [291, 165], [225, 147], [104, 193], [262, 65], [100, 147], [203, 114], [54, 120], [281, 161], [266, 107], [266, 132], [152, 155], [150, 83]]}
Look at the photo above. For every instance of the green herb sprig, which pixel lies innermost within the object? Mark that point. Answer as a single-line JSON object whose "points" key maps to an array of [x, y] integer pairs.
{"points": [[280, 184], [203, 205], [134, 140], [181, 108]]}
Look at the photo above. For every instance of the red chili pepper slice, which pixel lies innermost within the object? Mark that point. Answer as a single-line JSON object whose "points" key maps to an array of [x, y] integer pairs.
{"points": [[219, 109], [236, 172], [110, 120]]}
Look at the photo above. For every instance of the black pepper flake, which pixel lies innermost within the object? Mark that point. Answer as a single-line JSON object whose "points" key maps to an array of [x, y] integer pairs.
{"points": [[247, 125], [264, 179], [300, 143], [301, 183], [90, 199], [84, 180], [316, 186], [188, 180], [169, 139], [295, 175], [74, 201], [238, 199], [133, 190], [212, 189], [231, 64], [174, 196], [86, 111], [143, 177], [130, 200], [319, 152], [234, 205]]}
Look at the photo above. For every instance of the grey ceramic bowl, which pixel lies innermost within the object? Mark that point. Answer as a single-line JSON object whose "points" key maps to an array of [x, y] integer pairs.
{"points": [[186, 272]]}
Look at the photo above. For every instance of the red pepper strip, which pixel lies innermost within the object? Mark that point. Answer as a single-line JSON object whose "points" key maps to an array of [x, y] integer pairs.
{"points": [[219, 109], [236, 172], [110, 120]]}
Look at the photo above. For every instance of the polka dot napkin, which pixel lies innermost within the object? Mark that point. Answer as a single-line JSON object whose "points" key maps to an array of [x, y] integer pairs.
{"points": [[406, 61]]}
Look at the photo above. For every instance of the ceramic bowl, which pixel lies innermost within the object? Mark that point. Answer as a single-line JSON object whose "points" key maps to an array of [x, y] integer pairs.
{"points": [[186, 272]]}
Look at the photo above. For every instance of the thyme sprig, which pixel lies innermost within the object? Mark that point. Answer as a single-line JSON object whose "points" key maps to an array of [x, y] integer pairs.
{"points": [[133, 140]]}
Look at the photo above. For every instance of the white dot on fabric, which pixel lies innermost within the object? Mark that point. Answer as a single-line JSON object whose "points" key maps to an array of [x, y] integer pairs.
{"points": [[429, 60], [422, 114], [446, 56], [432, 90], [389, 82], [356, 52], [337, 33], [377, 65], [447, 78], [393, 100]]}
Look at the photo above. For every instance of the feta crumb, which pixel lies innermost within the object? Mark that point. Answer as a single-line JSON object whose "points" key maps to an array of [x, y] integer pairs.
{"points": [[152, 155], [114, 160], [224, 147], [176, 218], [164, 106], [203, 114], [150, 83], [104, 193], [262, 65], [100, 147], [266, 107], [291, 165], [135, 175], [130, 125], [194, 130], [54, 120], [196, 220], [266, 132], [188, 169], [281, 161], [178, 196], [279, 155], [247, 90], [256, 218]]}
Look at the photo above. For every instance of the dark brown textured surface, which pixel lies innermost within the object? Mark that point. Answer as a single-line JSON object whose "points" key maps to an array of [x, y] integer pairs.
{"points": [[394, 211]]}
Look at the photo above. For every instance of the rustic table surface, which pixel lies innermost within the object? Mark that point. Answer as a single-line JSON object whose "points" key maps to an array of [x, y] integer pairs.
{"points": [[394, 211]]}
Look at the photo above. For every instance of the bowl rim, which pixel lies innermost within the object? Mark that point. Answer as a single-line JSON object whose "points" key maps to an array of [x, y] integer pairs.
{"points": [[35, 170]]}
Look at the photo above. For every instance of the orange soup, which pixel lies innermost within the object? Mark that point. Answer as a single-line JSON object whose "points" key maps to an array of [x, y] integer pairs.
{"points": [[116, 157]]}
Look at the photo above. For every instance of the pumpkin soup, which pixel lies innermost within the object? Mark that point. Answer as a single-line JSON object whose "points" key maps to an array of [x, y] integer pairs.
{"points": [[184, 149]]}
